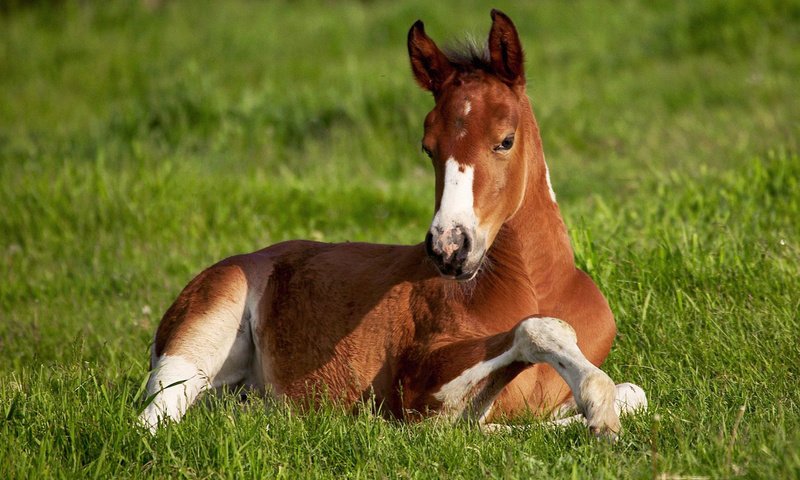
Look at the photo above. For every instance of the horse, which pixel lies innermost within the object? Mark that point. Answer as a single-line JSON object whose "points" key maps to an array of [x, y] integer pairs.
{"points": [[485, 320]]}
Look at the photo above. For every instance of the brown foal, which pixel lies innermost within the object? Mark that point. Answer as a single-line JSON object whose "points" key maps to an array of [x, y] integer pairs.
{"points": [[486, 319]]}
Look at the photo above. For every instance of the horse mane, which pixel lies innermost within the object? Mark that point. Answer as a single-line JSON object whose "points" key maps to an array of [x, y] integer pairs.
{"points": [[469, 55]]}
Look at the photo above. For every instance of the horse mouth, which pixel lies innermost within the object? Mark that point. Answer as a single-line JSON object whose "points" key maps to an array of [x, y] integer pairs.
{"points": [[460, 277], [467, 276], [459, 274]]}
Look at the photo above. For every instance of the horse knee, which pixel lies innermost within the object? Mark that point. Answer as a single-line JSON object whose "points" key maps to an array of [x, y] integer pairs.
{"points": [[538, 336]]}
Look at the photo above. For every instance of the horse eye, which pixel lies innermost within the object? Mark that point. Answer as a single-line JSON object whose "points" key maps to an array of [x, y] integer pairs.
{"points": [[427, 151], [506, 144]]}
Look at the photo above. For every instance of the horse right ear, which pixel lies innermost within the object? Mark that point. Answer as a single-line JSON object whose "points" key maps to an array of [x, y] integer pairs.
{"points": [[430, 66], [505, 49]]}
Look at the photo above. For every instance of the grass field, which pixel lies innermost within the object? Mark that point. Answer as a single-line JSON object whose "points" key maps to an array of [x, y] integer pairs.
{"points": [[138, 147]]}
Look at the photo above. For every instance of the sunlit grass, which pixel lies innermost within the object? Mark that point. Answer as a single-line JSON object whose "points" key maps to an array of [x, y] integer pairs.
{"points": [[137, 147]]}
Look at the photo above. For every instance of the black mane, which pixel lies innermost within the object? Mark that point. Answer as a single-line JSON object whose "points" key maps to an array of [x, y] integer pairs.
{"points": [[469, 56]]}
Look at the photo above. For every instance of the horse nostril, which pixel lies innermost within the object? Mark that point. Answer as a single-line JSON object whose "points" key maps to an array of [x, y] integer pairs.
{"points": [[449, 249], [463, 251], [429, 244]]}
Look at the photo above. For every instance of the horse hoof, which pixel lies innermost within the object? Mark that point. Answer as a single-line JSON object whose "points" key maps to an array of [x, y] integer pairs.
{"points": [[597, 402]]}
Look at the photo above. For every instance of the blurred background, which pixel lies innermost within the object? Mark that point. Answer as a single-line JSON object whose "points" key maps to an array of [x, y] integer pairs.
{"points": [[323, 88]]}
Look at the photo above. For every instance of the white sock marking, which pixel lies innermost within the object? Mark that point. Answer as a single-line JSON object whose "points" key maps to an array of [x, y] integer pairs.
{"points": [[630, 399], [175, 382], [455, 394], [547, 340]]}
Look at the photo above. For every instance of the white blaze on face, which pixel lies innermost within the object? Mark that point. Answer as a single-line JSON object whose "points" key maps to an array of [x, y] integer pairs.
{"points": [[456, 206], [467, 108]]}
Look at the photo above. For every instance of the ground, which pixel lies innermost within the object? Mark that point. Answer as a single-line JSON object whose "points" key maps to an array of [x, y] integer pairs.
{"points": [[139, 145]]}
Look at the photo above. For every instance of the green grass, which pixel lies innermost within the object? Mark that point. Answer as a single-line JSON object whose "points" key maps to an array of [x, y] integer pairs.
{"points": [[138, 147]]}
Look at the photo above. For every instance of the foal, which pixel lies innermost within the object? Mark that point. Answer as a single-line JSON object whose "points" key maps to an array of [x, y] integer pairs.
{"points": [[487, 319]]}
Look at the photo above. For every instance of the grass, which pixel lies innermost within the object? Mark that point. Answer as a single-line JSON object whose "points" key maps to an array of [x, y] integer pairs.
{"points": [[137, 147]]}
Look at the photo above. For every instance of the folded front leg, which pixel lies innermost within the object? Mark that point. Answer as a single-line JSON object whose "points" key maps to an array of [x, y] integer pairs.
{"points": [[553, 341], [468, 375], [630, 399]]}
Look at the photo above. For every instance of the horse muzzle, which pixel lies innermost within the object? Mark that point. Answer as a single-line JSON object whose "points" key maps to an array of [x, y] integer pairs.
{"points": [[453, 252]]}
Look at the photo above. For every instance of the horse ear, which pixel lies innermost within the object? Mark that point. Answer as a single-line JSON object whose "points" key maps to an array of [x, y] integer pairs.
{"points": [[505, 49], [430, 66]]}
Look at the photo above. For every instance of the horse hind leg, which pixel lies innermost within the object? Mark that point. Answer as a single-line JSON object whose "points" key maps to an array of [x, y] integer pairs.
{"points": [[203, 342]]}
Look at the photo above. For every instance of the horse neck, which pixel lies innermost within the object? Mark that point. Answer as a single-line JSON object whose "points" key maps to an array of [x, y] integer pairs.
{"points": [[533, 247]]}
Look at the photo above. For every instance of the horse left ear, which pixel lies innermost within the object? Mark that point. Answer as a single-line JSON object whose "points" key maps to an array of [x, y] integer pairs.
{"points": [[430, 66], [505, 49]]}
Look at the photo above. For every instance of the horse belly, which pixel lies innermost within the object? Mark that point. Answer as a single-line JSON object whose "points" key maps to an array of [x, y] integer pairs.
{"points": [[310, 348], [332, 317]]}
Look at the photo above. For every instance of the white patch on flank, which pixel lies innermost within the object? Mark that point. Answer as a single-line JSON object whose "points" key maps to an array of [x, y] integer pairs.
{"points": [[456, 206], [467, 108], [549, 184], [175, 382]]}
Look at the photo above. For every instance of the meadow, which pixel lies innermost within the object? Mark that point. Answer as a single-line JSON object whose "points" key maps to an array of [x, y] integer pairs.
{"points": [[138, 146]]}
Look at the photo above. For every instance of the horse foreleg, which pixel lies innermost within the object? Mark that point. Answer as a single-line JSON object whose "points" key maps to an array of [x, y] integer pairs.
{"points": [[471, 393], [629, 399]]}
